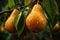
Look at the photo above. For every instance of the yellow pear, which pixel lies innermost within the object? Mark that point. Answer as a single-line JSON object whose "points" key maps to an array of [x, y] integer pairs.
{"points": [[9, 24], [36, 20], [56, 27]]}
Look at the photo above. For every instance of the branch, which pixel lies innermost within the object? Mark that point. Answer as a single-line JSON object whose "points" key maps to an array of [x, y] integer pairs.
{"points": [[19, 8]]}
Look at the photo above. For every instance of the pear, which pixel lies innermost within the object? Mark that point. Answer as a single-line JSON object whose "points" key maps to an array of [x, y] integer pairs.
{"points": [[2, 29], [36, 20], [56, 27], [9, 24]]}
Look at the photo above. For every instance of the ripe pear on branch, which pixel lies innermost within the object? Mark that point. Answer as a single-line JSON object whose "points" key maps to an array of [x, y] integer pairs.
{"points": [[9, 24], [36, 20]]}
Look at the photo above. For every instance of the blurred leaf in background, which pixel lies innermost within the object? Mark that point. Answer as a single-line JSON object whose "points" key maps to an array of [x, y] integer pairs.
{"points": [[58, 3], [2, 4], [26, 2], [51, 8], [11, 3], [5, 36]]}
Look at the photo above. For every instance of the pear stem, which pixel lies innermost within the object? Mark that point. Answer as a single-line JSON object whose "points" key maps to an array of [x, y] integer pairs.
{"points": [[38, 1]]}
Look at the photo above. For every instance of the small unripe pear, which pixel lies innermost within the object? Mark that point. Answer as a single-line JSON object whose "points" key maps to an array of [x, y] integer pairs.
{"points": [[9, 24], [36, 21]]}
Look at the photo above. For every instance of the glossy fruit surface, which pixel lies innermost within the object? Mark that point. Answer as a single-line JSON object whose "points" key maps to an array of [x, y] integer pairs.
{"points": [[36, 21], [56, 27], [9, 24]]}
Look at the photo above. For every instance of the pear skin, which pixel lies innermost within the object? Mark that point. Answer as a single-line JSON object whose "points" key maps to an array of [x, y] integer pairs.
{"points": [[56, 27], [9, 24], [36, 20], [2, 29]]}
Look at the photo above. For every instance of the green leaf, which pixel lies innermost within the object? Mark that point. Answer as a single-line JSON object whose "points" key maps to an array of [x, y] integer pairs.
{"points": [[17, 18], [5, 36], [11, 3], [51, 8], [21, 2], [6, 7], [58, 3], [26, 2], [20, 20]]}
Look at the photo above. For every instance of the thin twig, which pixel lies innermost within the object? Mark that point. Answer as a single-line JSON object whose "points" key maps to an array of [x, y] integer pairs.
{"points": [[7, 11]]}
